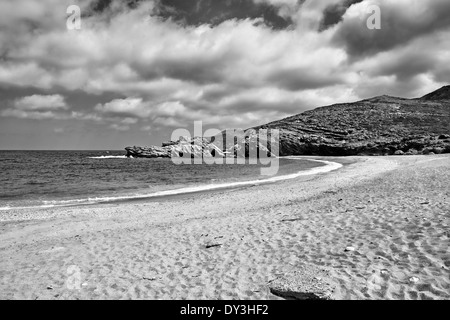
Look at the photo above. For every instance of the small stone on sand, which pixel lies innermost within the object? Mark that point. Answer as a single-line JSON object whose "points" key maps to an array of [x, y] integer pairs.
{"points": [[414, 279]]}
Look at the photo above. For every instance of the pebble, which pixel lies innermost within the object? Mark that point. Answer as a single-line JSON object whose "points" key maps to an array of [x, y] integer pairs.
{"points": [[413, 279]]}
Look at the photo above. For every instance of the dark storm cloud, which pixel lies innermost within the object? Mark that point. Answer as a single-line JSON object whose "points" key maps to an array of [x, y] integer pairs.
{"points": [[404, 89], [302, 79], [100, 6], [400, 24], [407, 65], [442, 75], [215, 12], [333, 14], [197, 70]]}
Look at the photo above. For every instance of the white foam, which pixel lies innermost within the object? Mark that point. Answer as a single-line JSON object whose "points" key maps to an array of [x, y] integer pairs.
{"points": [[329, 166], [30, 207]]}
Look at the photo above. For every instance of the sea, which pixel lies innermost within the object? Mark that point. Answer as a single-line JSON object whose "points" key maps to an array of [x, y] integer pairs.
{"points": [[42, 179]]}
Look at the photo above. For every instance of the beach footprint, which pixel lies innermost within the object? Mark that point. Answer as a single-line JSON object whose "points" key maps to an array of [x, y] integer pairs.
{"points": [[377, 283]]}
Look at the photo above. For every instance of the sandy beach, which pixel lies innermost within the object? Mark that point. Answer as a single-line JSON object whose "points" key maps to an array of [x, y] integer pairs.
{"points": [[393, 211]]}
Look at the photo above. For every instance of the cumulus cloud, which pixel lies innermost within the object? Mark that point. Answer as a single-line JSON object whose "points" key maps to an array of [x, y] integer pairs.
{"points": [[128, 106], [163, 113], [37, 107], [41, 102]]}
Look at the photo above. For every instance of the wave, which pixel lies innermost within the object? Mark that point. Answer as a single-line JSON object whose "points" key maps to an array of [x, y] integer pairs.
{"points": [[328, 167], [109, 157]]}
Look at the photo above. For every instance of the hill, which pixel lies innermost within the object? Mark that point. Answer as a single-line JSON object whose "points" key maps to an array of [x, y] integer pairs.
{"points": [[382, 125]]}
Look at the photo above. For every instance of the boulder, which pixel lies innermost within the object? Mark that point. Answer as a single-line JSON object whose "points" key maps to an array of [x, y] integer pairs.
{"points": [[426, 151], [307, 282], [412, 152]]}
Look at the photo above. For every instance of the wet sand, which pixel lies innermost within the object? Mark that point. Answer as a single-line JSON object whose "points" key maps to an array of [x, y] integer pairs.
{"points": [[394, 211]]}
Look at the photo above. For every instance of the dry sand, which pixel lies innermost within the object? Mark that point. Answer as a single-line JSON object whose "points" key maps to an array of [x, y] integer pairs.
{"points": [[394, 211]]}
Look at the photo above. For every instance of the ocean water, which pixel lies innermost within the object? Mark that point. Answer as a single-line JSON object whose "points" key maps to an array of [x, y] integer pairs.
{"points": [[53, 178]]}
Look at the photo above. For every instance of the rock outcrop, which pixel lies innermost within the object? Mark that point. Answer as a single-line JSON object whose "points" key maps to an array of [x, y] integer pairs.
{"points": [[382, 125], [247, 145], [185, 147]]}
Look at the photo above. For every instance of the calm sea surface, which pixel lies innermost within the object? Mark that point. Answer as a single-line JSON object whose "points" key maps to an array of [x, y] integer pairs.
{"points": [[46, 178]]}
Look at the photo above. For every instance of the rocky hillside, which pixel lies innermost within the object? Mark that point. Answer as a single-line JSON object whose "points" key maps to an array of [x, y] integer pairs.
{"points": [[441, 94], [379, 126]]}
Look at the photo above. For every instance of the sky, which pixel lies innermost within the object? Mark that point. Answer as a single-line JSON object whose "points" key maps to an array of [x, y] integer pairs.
{"points": [[137, 70]]}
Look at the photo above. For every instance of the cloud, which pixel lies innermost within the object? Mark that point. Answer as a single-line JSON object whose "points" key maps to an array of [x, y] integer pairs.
{"points": [[41, 102], [128, 106], [272, 13], [137, 107], [119, 127], [146, 128], [334, 13], [402, 22], [129, 121], [36, 115], [37, 107]]}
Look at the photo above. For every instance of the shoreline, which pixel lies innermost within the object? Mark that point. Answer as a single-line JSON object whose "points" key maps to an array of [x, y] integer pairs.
{"points": [[185, 191], [392, 210]]}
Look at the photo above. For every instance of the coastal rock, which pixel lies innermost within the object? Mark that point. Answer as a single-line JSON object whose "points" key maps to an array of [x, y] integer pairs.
{"points": [[412, 152], [148, 152], [184, 147], [305, 283], [251, 144]]}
